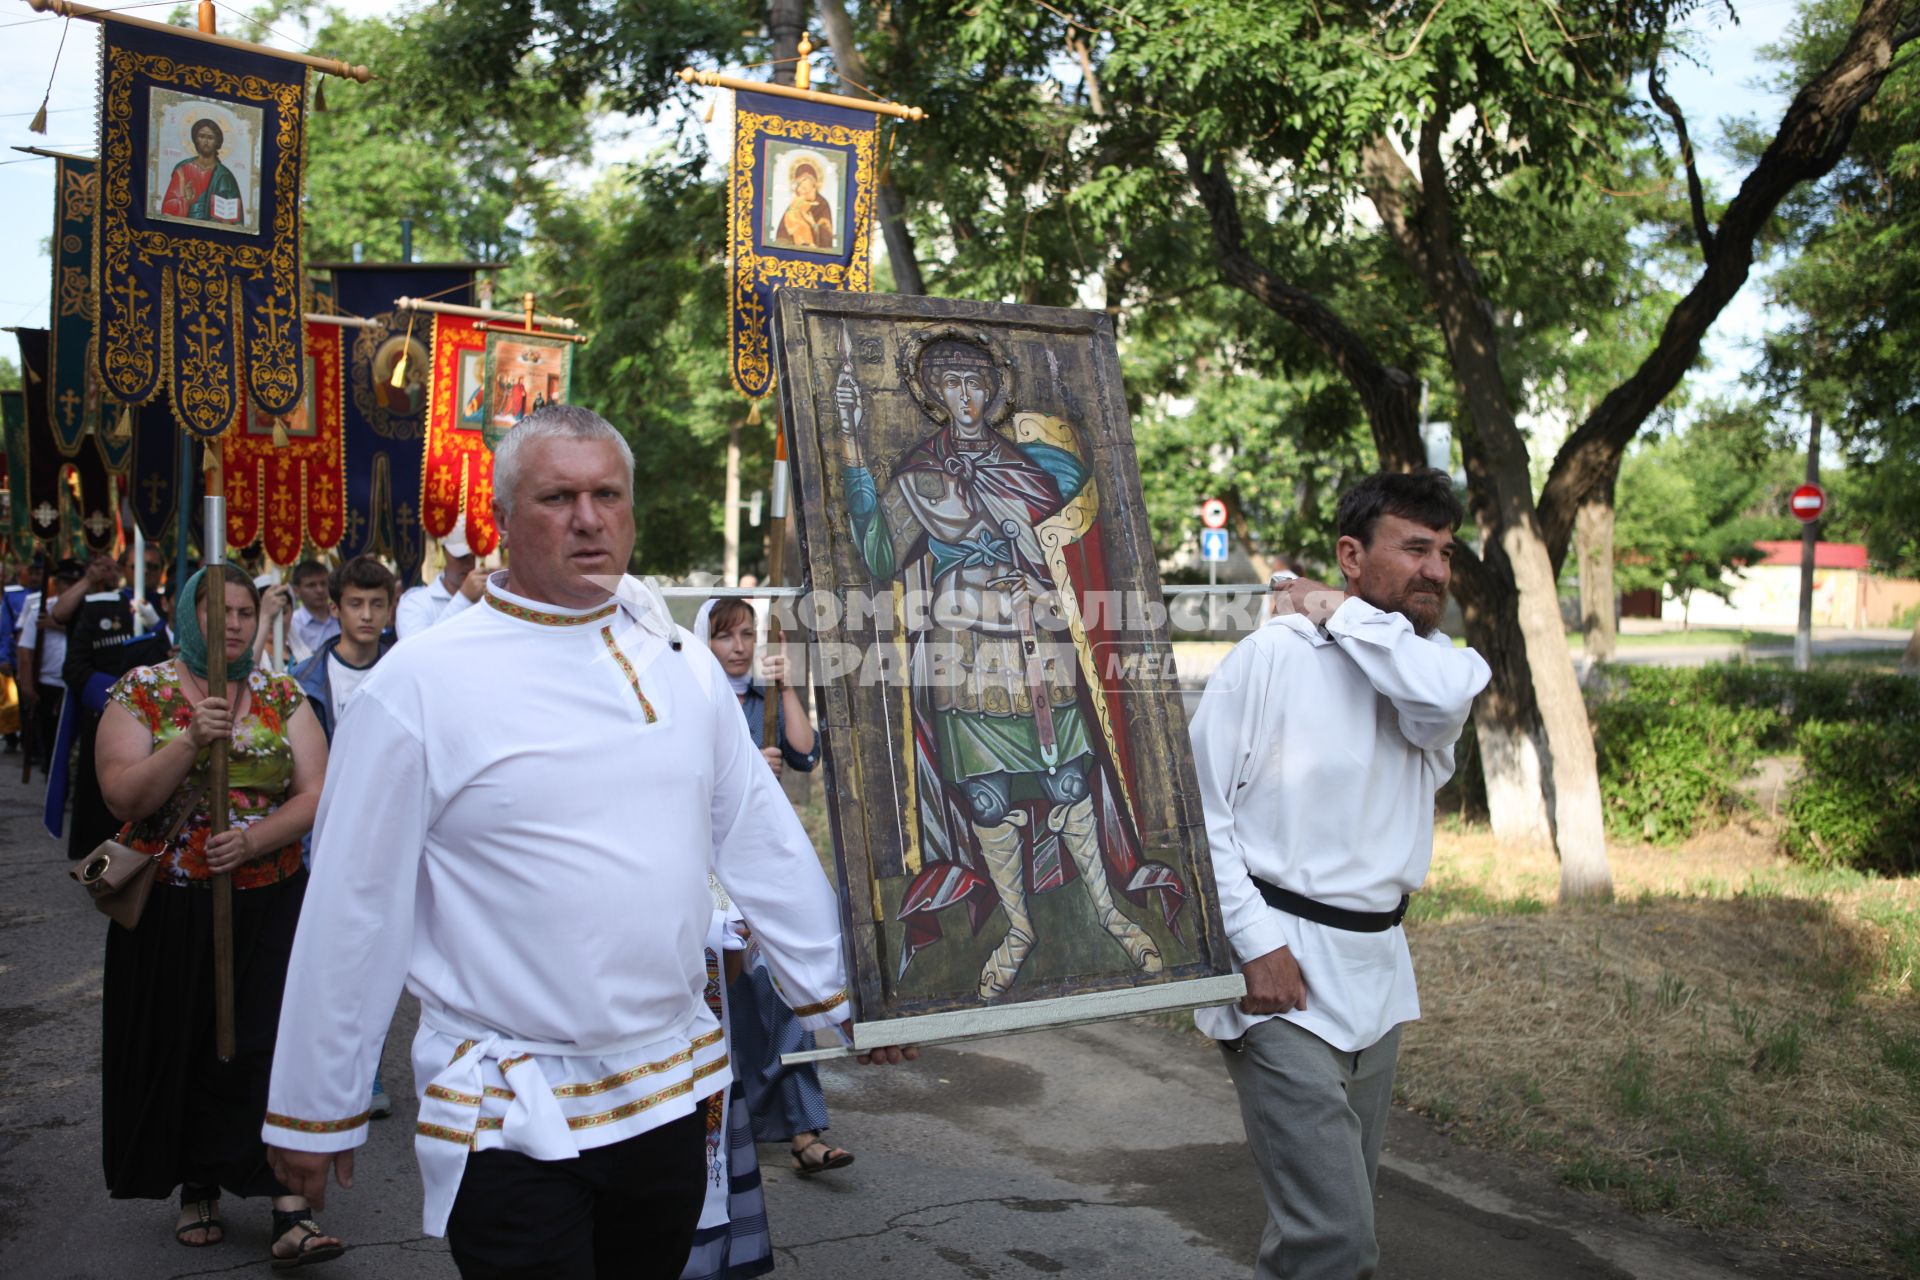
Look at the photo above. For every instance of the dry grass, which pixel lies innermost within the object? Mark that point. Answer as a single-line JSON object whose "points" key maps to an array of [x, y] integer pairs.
{"points": [[1733, 1043]]}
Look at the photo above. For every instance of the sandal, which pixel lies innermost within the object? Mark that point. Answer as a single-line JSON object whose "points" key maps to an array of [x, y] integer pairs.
{"points": [[836, 1158], [200, 1200], [306, 1253]]}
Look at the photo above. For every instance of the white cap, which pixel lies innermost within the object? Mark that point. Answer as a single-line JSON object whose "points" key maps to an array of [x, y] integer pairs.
{"points": [[455, 543]]}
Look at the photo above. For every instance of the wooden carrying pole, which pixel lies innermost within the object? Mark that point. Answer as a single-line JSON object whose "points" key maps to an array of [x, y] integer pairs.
{"points": [[715, 80], [525, 316], [328, 66], [776, 553], [215, 535]]}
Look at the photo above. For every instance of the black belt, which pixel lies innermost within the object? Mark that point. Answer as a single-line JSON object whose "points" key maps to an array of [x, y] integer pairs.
{"points": [[1333, 917]]}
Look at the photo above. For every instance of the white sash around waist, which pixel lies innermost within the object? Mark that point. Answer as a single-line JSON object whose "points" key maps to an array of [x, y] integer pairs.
{"points": [[451, 1122]]}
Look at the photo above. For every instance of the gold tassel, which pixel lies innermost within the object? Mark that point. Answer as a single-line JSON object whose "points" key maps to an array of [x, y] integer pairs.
{"points": [[123, 426], [753, 413], [399, 378], [712, 102], [39, 124], [802, 69], [280, 438], [208, 458], [320, 94]]}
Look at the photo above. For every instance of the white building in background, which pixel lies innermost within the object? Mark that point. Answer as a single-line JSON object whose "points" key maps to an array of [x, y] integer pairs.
{"points": [[1767, 594]]}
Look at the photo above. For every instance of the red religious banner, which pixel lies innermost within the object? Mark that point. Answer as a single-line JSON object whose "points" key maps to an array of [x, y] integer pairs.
{"points": [[485, 379], [287, 486]]}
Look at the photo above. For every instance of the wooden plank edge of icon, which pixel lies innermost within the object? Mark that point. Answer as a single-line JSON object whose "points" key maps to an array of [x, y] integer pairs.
{"points": [[1033, 1015]]}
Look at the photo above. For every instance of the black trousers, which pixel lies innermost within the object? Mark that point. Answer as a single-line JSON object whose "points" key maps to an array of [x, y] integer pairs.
{"points": [[626, 1211]]}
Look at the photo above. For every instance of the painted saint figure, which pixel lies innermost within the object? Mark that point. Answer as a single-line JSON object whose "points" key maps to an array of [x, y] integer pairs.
{"points": [[202, 188], [808, 221], [1015, 756]]}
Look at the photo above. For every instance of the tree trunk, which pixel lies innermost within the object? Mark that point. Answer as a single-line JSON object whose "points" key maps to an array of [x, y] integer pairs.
{"points": [[1593, 540], [888, 204], [1506, 723], [1418, 214], [786, 21]]}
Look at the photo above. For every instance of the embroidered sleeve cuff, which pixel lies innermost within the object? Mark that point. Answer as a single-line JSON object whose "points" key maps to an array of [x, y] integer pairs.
{"points": [[1257, 939], [825, 1014], [296, 1134]]}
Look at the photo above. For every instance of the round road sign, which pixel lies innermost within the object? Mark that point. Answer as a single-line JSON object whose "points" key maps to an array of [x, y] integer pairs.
{"points": [[1808, 502], [1213, 513]]}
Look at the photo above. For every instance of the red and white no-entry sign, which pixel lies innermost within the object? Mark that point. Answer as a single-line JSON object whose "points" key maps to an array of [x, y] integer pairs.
{"points": [[1213, 513], [1808, 502]]}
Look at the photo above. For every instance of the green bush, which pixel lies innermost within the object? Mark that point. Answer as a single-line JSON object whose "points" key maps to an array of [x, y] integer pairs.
{"points": [[1671, 754], [1858, 804]]}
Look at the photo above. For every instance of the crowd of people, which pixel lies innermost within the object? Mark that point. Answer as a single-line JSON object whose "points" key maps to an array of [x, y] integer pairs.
{"points": [[464, 790]]}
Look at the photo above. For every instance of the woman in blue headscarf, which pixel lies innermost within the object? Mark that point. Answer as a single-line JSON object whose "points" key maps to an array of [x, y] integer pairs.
{"points": [[173, 1114]]}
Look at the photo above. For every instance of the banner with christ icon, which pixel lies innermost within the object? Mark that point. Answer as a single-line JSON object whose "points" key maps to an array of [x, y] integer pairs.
{"points": [[198, 240], [800, 214], [286, 473]]}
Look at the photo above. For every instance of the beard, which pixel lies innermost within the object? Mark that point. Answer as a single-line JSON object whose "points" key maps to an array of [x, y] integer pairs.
{"points": [[1420, 602]]}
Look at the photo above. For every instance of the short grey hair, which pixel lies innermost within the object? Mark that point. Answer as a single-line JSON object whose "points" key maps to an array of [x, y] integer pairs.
{"points": [[551, 422]]}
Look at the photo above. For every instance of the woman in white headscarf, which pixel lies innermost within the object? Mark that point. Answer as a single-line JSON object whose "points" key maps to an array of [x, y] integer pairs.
{"points": [[786, 1102]]}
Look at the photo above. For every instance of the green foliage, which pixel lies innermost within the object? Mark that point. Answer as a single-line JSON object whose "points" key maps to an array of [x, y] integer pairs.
{"points": [[1670, 760], [9, 374], [1858, 804], [1853, 283], [397, 148], [1690, 507], [657, 365]]}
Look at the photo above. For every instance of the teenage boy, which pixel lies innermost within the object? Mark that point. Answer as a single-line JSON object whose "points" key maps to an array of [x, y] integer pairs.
{"points": [[360, 594], [311, 622]]}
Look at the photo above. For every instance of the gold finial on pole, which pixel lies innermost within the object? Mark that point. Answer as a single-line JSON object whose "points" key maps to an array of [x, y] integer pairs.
{"points": [[803, 69]]}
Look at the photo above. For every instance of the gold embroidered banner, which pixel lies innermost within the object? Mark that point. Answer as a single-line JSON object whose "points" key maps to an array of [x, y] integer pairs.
{"points": [[800, 213], [198, 232], [290, 488]]}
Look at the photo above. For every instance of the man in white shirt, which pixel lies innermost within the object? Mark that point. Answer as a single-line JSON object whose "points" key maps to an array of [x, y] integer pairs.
{"points": [[459, 585], [41, 654], [1318, 745], [521, 813]]}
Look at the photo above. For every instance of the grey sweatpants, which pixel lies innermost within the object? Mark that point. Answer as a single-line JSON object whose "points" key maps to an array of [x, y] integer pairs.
{"points": [[1315, 1116]]}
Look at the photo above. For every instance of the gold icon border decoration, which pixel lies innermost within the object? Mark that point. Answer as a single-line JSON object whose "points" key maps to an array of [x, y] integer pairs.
{"points": [[749, 328], [201, 274]]}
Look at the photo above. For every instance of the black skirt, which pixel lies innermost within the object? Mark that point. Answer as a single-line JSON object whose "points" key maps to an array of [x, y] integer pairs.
{"points": [[172, 1113]]}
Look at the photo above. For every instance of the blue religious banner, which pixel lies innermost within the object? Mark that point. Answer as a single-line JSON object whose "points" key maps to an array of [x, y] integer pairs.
{"points": [[800, 213], [197, 239], [65, 496], [386, 424], [155, 481], [74, 395]]}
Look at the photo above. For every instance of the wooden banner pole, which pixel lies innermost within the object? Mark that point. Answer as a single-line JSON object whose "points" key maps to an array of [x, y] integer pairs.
{"points": [[329, 66], [776, 554], [215, 537], [483, 313], [715, 80]]}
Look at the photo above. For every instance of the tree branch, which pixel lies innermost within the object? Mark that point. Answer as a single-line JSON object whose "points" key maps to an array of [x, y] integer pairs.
{"points": [[1812, 137], [1390, 395], [1665, 102]]}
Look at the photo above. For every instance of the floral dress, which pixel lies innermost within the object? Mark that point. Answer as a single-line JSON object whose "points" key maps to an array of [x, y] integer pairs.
{"points": [[259, 775]]}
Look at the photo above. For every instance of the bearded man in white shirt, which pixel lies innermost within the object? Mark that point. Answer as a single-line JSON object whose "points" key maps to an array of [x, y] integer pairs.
{"points": [[1319, 744], [522, 810]]}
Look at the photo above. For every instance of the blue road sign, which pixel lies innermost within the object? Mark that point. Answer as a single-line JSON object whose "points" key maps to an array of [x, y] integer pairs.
{"points": [[1213, 544]]}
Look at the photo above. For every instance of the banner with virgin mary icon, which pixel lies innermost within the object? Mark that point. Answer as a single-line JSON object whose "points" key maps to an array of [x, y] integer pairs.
{"points": [[800, 213]]}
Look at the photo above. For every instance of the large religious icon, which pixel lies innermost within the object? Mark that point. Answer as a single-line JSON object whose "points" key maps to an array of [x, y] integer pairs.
{"points": [[808, 188], [524, 372], [410, 397], [203, 160], [1013, 797]]}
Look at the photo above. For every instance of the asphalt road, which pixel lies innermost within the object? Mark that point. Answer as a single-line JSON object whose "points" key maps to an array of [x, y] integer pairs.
{"points": [[1111, 1150]]}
